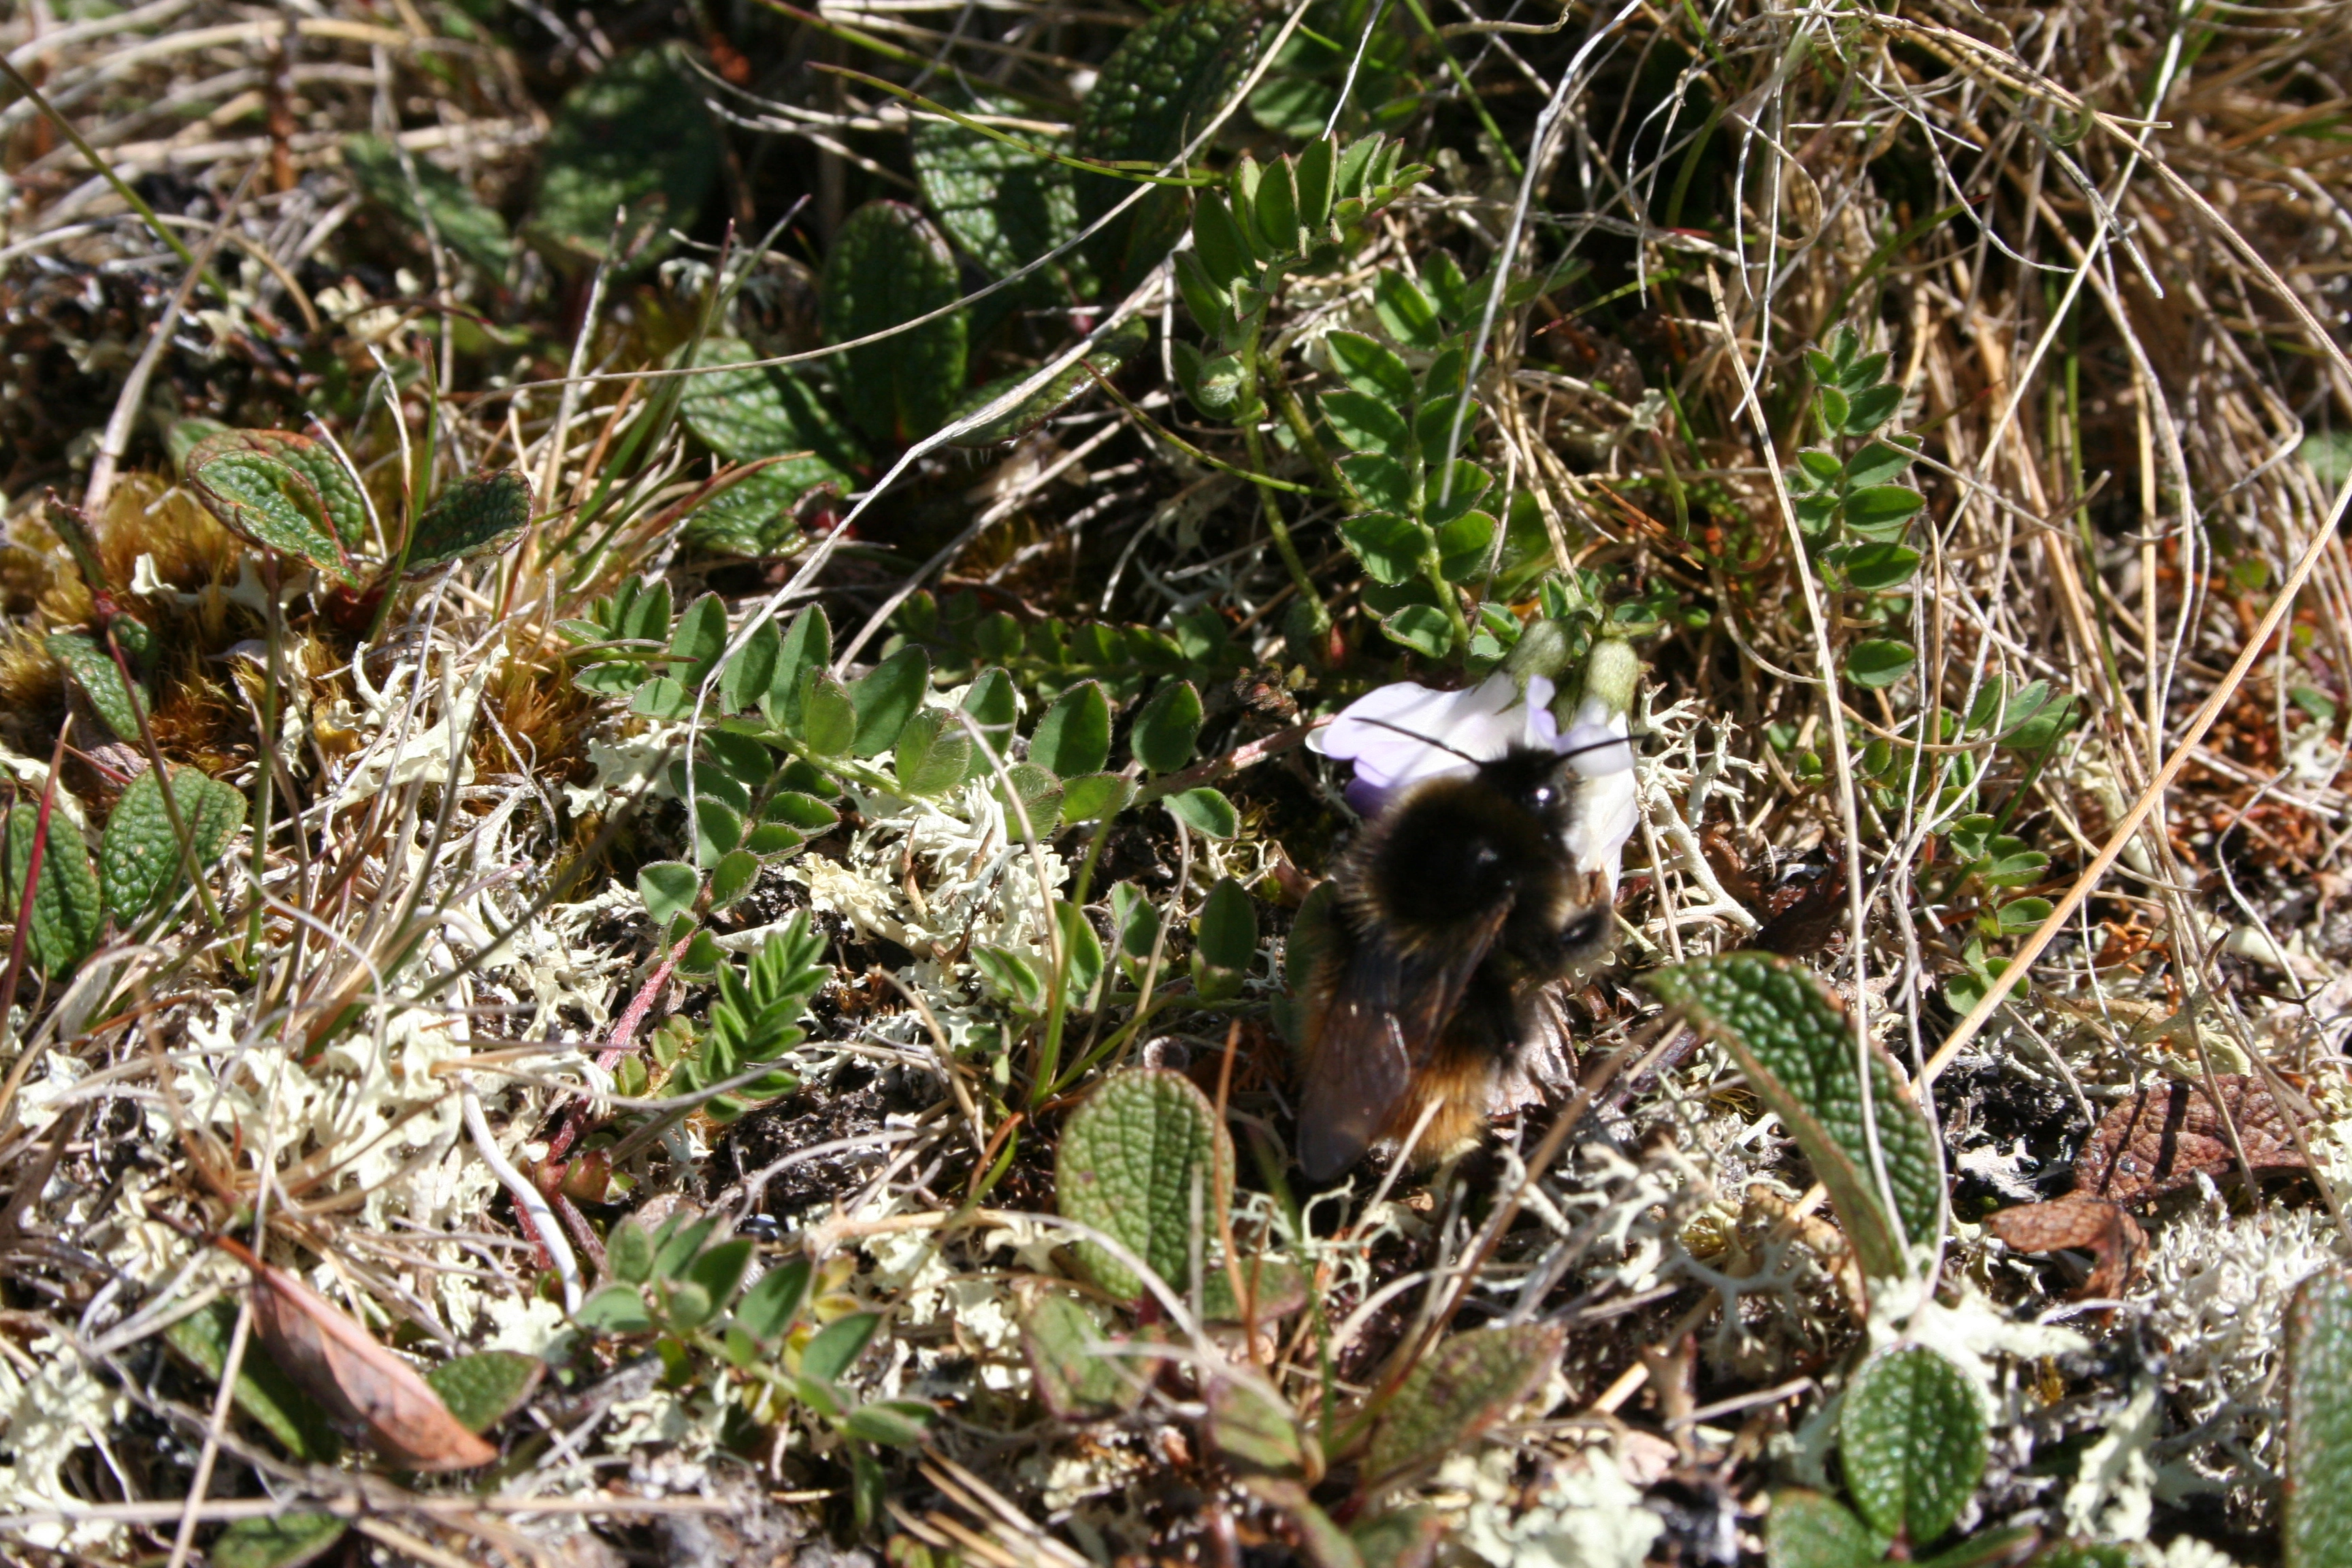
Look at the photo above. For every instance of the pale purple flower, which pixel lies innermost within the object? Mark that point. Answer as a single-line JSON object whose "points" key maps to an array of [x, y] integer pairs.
{"points": [[1404, 734]]}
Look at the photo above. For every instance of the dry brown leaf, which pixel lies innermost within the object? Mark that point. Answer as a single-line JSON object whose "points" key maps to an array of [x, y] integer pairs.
{"points": [[362, 1386], [2161, 1138], [2079, 1219]]}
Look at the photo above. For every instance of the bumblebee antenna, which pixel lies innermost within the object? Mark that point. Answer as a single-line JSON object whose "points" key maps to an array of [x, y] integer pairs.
{"points": [[1625, 740]]}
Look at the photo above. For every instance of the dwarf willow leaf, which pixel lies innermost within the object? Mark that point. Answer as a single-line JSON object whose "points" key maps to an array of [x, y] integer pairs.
{"points": [[1911, 1433], [1139, 1161], [1155, 93], [633, 142], [1806, 1530], [263, 1389], [1079, 1376], [2317, 1531], [94, 670], [1003, 205], [67, 908], [933, 753], [890, 267], [470, 517], [1109, 355], [1794, 1040], [485, 1388], [139, 856], [1456, 1392], [1879, 662], [459, 218], [268, 501]]}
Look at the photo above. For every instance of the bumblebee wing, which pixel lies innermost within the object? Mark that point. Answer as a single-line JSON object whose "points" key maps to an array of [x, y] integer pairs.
{"points": [[1386, 1010]]}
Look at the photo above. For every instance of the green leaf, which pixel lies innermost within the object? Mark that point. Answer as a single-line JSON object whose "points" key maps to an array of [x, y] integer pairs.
{"points": [[1874, 568], [1205, 810], [1073, 737], [1164, 731], [887, 697], [1455, 1394], [684, 1304], [795, 809], [267, 501], [1871, 407], [287, 1540], [1878, 463], [888, 266], [752, 670], [895, 1423], [1792, 1039], [483, 1389], [1005, 206], [677, 1242], [263, 1389], [698, 640], [1082, 953], [933, 753], [1227, 928], [2020, 917], [719, 1269], [139, 858], [829, 718], [1106, 359], [1076, 1377], [1090, 797], [808, 648], [1011, 976], [1878, 663], [2317, 1532], [1806, 1530], [463, 223], [1882, 509], [1136, 1162], [629, 1253], [1911, 1432], [1372, 370], [1276, 1288], [470, 517], [1275, 213], [1039, 793], [94, 670], [769, 1308], [1423, 629], [1157, 89], [1391, 545], [668, 887], [1134, 924], [2002, 1548], [1406, 312], [1218, 241], [992, 706], [837, 1346], [67, 908], [1465, 546], [2009, 864], [633, 142], [345, 508], [1366, 423]]}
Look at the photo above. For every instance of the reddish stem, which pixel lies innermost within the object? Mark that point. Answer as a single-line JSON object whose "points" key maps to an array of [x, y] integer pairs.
{"points": [[18, 944], [624, 1030]]}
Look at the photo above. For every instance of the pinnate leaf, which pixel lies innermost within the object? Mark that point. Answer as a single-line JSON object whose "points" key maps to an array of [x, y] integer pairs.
{"points": [[1138, 1161]]}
